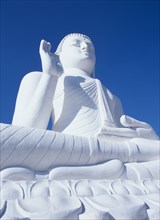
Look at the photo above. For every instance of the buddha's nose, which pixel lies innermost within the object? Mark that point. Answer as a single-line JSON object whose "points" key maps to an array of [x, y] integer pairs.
{"points": [[84, 45]]}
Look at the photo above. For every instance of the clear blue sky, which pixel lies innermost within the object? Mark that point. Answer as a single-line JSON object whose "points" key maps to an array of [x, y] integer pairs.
{"points": [[125, 34]]}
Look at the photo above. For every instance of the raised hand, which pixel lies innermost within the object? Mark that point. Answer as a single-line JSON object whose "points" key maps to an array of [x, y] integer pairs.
{"points": [[49, 60]]}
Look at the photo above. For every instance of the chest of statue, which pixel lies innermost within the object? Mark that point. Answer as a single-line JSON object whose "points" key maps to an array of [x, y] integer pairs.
{"points": [[75, 103]]}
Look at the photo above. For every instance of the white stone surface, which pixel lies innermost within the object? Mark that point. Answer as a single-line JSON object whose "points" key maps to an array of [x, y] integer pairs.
{"points": [[80, 105], [96, 163], [42, 150], [106, 178]]}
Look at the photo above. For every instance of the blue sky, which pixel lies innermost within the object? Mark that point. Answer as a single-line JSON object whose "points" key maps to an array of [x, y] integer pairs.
{"points": [[125, 34]]}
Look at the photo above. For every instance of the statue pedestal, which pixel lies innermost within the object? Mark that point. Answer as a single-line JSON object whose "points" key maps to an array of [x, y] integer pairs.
{"points": [[50, 175]]}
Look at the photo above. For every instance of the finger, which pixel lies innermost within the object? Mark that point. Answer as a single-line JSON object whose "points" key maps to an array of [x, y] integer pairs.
{"points": [[128, 121], [122, 132], [147, 133], [49, 46], [45, 46], [41, 45]]}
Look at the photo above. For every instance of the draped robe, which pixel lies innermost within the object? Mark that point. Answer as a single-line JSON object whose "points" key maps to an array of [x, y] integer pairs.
{"points": [[83, 106], [79, 105]]}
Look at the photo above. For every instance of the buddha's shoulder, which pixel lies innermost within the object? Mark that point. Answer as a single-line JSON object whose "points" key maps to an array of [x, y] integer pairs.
{"points": [[32, 75], [33, 78]]}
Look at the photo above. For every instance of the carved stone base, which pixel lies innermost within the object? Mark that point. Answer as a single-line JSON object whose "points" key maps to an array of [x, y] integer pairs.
{"points": [[99, 187], [80, 199]]}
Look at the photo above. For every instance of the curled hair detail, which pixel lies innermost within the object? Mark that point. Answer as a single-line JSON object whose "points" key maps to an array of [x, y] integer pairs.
{"points": [[59, 48]]}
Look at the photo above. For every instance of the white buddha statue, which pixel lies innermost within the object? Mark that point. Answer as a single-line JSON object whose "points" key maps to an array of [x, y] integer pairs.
{"points": [[79, 104], [94, 157]]}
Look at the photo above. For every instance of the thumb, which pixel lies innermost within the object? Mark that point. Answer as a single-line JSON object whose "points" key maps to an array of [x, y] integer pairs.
{"points": [[128, 121]]}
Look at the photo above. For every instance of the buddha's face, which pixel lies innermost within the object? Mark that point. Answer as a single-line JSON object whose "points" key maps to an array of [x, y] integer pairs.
{"points": [[78, 52]]}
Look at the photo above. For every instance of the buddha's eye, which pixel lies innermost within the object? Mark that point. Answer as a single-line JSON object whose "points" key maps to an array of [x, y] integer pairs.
{"points": [[75, 43]]}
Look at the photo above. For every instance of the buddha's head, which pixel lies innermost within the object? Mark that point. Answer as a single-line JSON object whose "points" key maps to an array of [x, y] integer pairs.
{"points": [[77, 51]]}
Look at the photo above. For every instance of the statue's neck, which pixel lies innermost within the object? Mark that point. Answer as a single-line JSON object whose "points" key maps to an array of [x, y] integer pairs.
{"points": [[75, 72]]}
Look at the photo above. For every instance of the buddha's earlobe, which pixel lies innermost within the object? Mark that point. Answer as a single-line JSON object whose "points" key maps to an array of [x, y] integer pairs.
{"points": [[93, 74]]}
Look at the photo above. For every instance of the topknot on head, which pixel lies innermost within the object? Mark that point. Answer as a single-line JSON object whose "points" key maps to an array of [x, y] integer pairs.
{"points": [[59, 48]]}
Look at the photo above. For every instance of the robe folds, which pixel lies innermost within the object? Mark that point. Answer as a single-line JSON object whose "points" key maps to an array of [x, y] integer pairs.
{"points": [[79, 105], [83, 106]]}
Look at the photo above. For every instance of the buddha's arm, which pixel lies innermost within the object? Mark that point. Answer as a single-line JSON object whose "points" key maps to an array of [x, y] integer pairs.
{"points": [[127, 127], [118, 110], [34, 100], [35, 96]]}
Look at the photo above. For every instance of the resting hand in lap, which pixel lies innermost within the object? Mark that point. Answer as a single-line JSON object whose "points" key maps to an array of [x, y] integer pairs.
{"points": [[79, 104], [132, 129]]}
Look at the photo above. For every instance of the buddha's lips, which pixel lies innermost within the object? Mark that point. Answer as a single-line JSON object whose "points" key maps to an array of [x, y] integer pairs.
{"points": [[85, 51]]}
